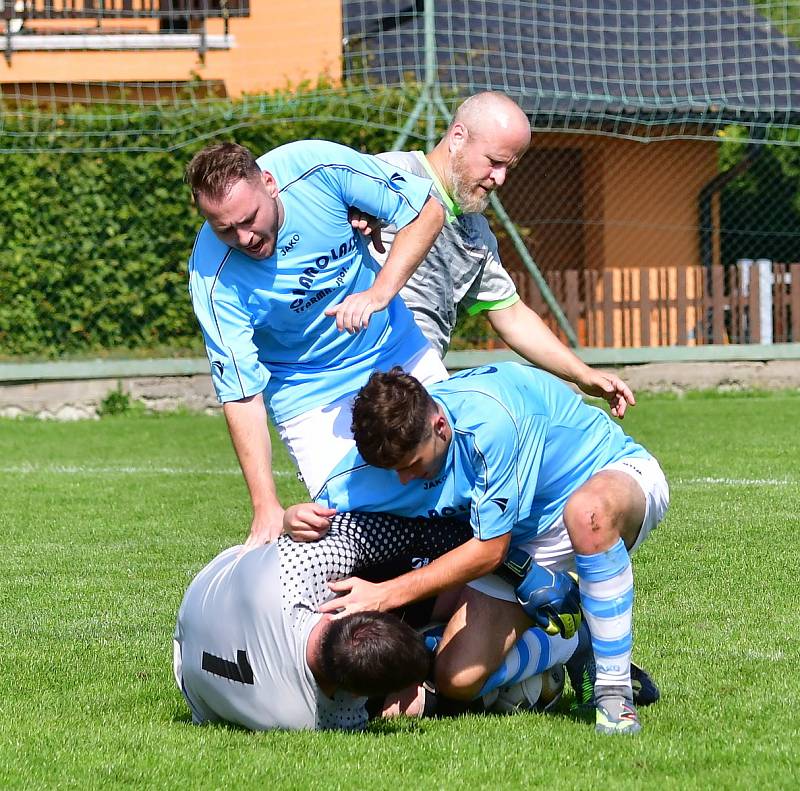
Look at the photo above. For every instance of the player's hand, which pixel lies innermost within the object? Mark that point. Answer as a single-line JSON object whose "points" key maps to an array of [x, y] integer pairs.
{"points": [[307, 521], [265, 527], [368, 226], [552, 600], [610, 387], [353, 312], [409, 701], [358, 596]]}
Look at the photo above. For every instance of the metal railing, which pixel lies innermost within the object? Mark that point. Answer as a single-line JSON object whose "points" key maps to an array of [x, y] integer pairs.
{"points": [[174, 17], [122, 9]]}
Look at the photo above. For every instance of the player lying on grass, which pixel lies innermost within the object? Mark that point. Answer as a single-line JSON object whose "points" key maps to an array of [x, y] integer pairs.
{"points": [[533, 467], [252, 648]]}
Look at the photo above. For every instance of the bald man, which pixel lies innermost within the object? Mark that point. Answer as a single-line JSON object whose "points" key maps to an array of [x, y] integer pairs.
{"points": [[488, 136]]}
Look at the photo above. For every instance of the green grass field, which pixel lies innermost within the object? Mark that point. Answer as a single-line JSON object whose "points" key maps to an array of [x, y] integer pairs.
{"points": [[104, 523]]}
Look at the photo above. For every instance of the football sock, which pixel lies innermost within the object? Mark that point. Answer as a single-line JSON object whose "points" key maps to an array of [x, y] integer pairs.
{"points": [[533, 653], [432, 635], [580, 668], [606, 584]]}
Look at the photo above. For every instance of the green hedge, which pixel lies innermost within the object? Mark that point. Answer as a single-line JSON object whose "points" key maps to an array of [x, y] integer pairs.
{"points": [[93, 246], [96, 225]]}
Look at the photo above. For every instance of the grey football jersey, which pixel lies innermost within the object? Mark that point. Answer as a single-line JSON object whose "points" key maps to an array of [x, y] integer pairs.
{"points": [[243, 625], [463, 266]]}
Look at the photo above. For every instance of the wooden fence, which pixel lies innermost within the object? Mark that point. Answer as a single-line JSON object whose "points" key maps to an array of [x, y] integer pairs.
{"points": [[749, 302]]}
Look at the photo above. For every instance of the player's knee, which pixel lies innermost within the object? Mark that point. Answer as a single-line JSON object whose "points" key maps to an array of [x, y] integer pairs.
{"points": [[459, 683], [592, 522]]}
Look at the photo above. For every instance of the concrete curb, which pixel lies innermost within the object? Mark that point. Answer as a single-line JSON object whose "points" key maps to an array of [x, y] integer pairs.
{"points": [[80, 398]]}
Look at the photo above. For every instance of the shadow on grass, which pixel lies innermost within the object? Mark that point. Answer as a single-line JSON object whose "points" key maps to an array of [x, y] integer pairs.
{"points": [[182, 717], [563, 710], [389, 727], [395, 726]]}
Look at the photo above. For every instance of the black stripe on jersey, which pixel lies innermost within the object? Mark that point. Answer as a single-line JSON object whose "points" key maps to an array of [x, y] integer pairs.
{"points": [[352, 170], [477, 450], [191, 257], [339, 475], [480, 452], [216, 320], [239, 670], [214, 285]]}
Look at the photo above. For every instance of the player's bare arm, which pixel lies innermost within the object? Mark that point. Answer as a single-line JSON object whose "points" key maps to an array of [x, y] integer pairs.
{"points": [[525, 332], [247, 424], [411, 245], [467, 562]]}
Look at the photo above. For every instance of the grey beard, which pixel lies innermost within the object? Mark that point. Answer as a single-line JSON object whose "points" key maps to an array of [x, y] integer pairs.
{"points": [[467, 202]]}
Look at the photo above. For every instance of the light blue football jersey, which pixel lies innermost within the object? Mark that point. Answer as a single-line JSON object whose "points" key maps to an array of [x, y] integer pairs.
{"points": [[522, 443], [263, 321]]}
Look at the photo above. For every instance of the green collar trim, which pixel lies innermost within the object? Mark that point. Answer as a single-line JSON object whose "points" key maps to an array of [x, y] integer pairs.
{"points": [[453, 209]]}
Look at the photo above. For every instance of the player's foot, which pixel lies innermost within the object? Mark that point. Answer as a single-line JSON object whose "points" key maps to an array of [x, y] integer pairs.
{"points": [[616, 714], [645, 691], [581, 671]]}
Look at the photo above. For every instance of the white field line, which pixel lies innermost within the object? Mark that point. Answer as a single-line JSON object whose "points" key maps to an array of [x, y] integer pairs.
{"points": [[734, 481], [69, 469]]}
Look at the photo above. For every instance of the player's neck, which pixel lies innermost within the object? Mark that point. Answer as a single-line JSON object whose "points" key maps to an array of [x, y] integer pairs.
{"points": [[438, 159], [313, 656]]}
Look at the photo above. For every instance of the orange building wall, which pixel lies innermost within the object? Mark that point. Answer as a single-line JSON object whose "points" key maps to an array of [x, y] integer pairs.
{"points": [[639, 200], [639, 206], [594, 199], [278, 45], [658, 195]]}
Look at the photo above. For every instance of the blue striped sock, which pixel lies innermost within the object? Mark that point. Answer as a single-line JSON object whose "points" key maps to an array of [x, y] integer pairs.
{"points": [[533, 653], [606, 583]]}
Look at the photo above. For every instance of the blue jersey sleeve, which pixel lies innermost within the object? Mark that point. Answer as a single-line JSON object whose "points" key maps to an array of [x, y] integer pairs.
{"points": [[497, 491], [227, 328], [391, 194]]}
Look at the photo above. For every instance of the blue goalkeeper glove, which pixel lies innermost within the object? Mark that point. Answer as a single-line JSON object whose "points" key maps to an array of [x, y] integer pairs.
{"points": [[550, 598]]}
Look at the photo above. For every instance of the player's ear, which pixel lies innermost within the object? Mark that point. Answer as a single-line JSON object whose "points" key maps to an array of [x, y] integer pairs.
{"points": [[458, 136], [269, 182], [440, 426]]}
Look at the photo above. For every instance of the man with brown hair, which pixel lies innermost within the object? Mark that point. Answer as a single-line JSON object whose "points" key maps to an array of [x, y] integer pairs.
{"points": [[294, 312], [533, 468]]}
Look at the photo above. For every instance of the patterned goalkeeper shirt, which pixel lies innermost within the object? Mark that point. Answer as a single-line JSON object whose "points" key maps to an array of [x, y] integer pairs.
{"points": [[245, 620], [463, 266]]}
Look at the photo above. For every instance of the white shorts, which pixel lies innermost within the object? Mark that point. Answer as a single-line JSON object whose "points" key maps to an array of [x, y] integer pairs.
{"points": [[553, 549], [319, 439]]}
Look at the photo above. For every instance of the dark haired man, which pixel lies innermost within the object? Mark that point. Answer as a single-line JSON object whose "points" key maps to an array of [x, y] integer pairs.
{"points": [[294, 311], [532, 467], [251, 647]]}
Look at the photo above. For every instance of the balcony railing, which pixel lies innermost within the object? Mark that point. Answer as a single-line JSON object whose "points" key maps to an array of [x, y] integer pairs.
{"points": [[29, 24], [123, 9]]}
